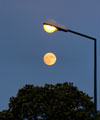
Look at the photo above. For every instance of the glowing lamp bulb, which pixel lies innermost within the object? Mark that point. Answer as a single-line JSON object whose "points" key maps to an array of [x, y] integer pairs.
{"points": [[49, 28]]}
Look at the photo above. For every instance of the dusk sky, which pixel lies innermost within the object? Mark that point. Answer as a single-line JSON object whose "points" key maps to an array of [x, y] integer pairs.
{"points": [[23, 43]]}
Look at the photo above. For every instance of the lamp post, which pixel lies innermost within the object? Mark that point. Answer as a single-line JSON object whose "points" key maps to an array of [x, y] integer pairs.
{"points": [[51, 26]]}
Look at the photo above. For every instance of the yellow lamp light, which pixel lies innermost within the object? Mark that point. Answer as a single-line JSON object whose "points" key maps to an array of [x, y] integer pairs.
{"points": [[49, 28]]}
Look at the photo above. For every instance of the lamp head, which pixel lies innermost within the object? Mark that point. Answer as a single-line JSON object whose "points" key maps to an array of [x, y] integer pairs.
{"points": [[51, 26]]}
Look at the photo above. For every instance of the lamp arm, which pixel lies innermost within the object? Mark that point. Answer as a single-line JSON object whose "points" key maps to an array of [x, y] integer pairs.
{"points": [[83, 35]]}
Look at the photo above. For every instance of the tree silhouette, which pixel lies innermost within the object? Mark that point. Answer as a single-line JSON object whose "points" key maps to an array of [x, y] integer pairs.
{"points": [[51, 102]]}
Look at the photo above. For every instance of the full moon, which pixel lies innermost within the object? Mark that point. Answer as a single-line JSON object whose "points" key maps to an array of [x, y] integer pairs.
{"points": [[49, 58]]}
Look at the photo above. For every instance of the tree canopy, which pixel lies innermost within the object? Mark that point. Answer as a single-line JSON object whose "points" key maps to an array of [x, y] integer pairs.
{"points": [[51, 102]]}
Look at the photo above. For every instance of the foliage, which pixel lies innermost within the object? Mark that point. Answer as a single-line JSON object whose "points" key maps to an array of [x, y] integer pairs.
{"points": [[51, 102]]}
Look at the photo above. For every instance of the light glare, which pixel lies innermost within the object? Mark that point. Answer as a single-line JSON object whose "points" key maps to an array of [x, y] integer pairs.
{"points": [[49, 28]]}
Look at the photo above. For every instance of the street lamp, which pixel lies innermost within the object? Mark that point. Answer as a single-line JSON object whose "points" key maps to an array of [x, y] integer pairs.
{"points": [[51, 26]]}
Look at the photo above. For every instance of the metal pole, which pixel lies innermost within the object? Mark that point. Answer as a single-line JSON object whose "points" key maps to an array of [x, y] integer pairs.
{"points": [[95, 68], [95, 79]]}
